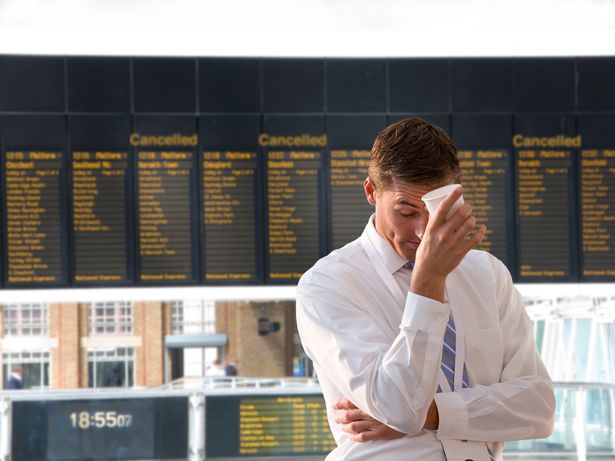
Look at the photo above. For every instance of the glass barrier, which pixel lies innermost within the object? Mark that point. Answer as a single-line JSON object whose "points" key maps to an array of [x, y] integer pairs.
{"points": [[205, 416], [583, 426]]}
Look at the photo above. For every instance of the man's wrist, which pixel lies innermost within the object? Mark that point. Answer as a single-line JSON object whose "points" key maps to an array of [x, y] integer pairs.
{"points": [[430, 288]]}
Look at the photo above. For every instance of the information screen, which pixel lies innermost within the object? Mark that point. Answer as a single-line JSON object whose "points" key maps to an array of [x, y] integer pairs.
{"points": [[485, 176], [33, 184], [293, 212], [230, 207], [102, 429], [165, 184], [99, 197], [597, 192], [349, 208], [266, 426], [544, 179]]}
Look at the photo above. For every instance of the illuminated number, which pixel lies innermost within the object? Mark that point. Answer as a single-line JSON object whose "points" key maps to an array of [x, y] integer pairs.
{"points": [[14, 155], [73, 419], [84, 420], [147, 155], [124, 420], [99, 417], [111, 419]]}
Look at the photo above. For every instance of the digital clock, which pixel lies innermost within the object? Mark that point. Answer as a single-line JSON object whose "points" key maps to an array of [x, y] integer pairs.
{"points": [[104, 429], [100, 419]]}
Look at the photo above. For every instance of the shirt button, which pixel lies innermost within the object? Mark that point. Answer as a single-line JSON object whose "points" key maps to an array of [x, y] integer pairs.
{"points": [[441, 319]]}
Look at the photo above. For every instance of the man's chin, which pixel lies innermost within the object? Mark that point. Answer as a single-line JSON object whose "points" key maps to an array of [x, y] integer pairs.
{"points": [[409, 254]]}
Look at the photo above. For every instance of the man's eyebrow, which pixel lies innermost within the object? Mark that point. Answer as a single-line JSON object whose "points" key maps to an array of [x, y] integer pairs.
{"points": [[404, 202]]}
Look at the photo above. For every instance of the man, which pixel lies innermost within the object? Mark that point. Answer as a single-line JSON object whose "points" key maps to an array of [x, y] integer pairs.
{"points": [[15, 379], [420, 342]]}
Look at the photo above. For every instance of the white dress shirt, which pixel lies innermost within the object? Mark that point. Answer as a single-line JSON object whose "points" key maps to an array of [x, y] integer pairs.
{"points": [[379, 345]]}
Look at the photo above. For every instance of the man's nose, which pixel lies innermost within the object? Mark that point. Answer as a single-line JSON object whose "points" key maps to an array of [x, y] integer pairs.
{"points": [[422, 224]]}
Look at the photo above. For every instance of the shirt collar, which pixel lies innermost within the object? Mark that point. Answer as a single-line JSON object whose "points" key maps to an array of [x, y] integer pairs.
{"points": [[391, 259]]}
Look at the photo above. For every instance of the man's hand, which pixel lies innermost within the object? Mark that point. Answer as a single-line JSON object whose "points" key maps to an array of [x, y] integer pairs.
{"points": [[443, 245], [432, 422], [361, 426]]}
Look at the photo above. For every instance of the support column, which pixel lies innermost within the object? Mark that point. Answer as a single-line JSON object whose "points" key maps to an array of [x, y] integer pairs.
{"points": [[148, 323], [256, 355], [65, 359]]}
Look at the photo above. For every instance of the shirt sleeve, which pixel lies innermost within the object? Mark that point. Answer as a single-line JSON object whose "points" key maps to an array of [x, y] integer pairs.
{"points": [[392, 376], [522, 404]]}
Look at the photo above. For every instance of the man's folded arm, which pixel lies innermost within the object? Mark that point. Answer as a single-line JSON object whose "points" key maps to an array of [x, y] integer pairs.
{"points": [[390, 377], [522, 404]]}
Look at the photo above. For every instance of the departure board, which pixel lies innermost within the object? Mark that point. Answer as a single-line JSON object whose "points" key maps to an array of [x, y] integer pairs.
{"points": [[349, 208], [230, 207], [33, 183], [266, 426], [597, 191], [543, 212], [102, 429], [165, 192], [485, 177], [99, 192], [293, 212]]}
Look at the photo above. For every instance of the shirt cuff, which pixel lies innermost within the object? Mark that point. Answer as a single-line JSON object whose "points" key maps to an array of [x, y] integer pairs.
{"points": [[452, 414], [425, 314]]}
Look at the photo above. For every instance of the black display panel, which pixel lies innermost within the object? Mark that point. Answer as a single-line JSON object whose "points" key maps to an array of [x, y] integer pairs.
{"points": [[98, 84], [596, 91], [419, 85], [294, 154], [266, 426], [597, 196], [546, 215], [32, 84], [228, 85], [293, 85], [164, 85], [231, 196], [543, 85], [481, 85], [356, 85], [101, 429]]}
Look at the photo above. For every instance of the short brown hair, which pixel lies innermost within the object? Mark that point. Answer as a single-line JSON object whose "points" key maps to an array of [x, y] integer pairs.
{"points": [[413, 151]]}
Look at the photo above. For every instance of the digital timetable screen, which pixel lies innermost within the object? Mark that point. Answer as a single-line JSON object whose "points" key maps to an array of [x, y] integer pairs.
{"points": [[34, 184], [100, 185], [597, 174], [230, 214], [134, 171], [165, 191], [266, 426], [101, 429], [486, 180], [294, 185]]}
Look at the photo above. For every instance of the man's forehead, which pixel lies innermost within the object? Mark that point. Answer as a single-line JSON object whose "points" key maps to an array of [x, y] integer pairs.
{"points": [[403, 188]]}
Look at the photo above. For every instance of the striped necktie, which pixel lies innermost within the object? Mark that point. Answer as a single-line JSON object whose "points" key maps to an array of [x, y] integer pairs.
{"points": [[449, 347]]}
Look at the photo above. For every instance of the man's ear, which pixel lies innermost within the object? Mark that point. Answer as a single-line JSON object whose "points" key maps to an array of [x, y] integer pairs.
{"points": [[370, 191]]}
